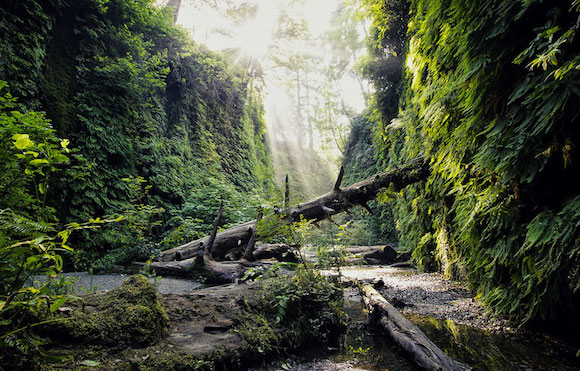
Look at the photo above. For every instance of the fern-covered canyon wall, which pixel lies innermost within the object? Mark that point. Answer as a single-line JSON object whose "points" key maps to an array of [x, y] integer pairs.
{"points": [[163, 129], [488, 92]]}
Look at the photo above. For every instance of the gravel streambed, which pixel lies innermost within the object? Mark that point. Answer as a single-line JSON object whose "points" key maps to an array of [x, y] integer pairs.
{"points": [[80, 283], [427, 294]]}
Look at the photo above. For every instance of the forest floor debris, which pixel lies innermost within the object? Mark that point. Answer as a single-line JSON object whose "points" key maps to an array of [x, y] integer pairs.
{"points": [[204, 327], [80, 283]]}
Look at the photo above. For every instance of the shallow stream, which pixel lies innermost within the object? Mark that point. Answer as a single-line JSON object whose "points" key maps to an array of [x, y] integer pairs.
{"points": [[361, 348]]}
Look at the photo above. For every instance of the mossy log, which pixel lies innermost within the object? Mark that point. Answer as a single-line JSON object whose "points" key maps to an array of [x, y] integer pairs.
{"points": [[358, 194], [323, 207], [408, 336]]}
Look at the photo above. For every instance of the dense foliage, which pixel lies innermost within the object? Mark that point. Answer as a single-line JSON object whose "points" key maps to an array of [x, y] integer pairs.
{"points": [[165, 129], [490, 92], [30, 241], [157, 132], [360, 162]]}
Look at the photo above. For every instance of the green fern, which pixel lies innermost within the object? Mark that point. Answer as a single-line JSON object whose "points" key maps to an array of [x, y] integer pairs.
{"points": [[493, 110]]}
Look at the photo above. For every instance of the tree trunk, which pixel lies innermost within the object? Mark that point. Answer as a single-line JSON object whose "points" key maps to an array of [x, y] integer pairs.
{"points": [[211, 270], [176, 5], [412, 340], [249, 252], [231, 238], [323, 207], [339, 200], [279, 251]]}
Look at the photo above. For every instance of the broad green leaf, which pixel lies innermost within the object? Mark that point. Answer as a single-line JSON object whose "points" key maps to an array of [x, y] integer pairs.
{"points": [[39, 162], [57, 304], [32, 259], [62, 158], [35, 154], [22, 141]]}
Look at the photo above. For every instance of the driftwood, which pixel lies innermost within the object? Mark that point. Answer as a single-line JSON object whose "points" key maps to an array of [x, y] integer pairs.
{"points": [[358, 194], [323, 207], [363, 250], [408, 336], [248, 253], [226, 240], [378, 254]]}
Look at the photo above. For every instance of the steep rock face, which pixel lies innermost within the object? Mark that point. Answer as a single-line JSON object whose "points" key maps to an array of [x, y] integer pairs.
{"points": [[361, 161], [137, 99], [488, 94]]}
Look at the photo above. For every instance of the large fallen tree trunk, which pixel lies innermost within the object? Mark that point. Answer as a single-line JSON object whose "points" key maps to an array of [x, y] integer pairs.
{"points": [[408, 336], [205, 264], [226, 271], [225, 241], [358, 194], [212, 271], [323, 207]]}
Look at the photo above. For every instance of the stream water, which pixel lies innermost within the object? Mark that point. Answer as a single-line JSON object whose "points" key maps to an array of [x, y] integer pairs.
{"points": [[361, 348], [358, 348], [483, 350]]}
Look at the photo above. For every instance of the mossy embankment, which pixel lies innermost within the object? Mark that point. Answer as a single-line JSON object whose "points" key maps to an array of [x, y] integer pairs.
{"points": [[129, 315], [226, 326]]}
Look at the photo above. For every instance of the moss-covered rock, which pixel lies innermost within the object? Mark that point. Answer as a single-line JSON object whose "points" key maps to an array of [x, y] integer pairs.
{"points": [[223, 327], [128, 315]]}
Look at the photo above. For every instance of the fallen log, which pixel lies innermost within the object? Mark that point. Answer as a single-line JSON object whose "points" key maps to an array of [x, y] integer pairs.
{"points": [[358, 194], [323, 207], [225, 271], [214, 272], [364, 250], [226, 240], [248, 253], [408, 336], [279, 251]]}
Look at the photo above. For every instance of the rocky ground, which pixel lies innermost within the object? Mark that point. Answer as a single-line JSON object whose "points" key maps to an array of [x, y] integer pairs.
{"points": [[427, 294], [203, 319]]}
